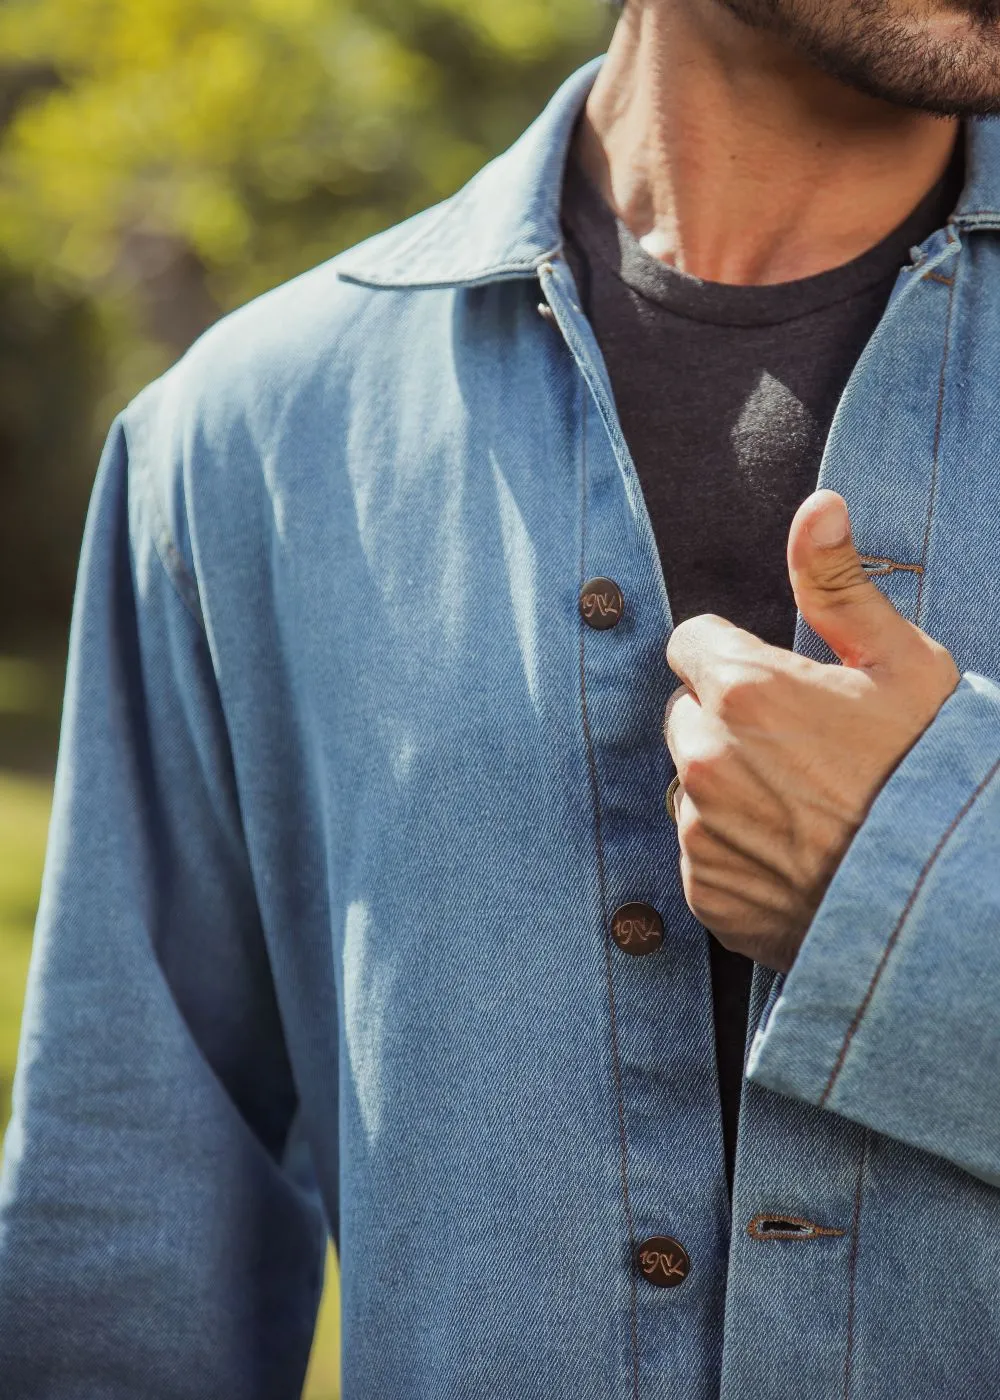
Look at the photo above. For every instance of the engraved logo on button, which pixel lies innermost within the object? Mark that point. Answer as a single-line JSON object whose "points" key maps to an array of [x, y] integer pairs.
{"points": [[663, 1261], [663, 1266], [632, 932], [600, 605]]}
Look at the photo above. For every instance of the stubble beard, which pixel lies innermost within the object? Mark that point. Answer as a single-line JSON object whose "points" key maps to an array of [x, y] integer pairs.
{"points": [[870, 46]]}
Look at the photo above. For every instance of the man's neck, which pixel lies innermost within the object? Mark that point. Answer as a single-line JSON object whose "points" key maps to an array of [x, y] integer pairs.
{"points": [[734, 159]]}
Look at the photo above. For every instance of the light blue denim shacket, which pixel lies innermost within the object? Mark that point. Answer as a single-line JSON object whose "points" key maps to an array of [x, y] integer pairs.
{"points": [[348, 792]]}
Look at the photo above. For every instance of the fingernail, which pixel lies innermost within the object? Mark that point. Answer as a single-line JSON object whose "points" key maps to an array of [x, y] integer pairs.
{"points": [[830, 525]]}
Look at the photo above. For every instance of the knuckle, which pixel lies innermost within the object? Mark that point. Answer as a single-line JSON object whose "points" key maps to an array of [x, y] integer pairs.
{"points": [[698, 775], [944, 663], [706, 901], [672, 700], [709, 910], [747, 683], [693, 834], [714, 622], [737, 697], [698, 897], [677, 641]]}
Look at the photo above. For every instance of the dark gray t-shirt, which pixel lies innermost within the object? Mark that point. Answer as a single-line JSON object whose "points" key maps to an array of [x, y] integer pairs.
{"points": [[725, 396]]}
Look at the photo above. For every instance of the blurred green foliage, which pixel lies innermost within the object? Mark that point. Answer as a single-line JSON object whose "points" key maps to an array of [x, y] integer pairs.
{"points": [[255, 137], [52, 371], [162, 161]]}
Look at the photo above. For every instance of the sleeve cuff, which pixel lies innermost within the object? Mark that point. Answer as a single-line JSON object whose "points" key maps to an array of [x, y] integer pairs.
{"points": [[844, 976]]}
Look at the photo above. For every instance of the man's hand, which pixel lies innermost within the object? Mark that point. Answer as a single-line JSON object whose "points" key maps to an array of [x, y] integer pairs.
{"points": [[780, 757]]}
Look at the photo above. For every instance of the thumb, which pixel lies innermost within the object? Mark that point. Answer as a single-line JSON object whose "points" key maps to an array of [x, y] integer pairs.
{"points": [[832, 591]]}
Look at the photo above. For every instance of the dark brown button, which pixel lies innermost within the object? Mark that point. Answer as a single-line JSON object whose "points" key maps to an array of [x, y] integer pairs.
{"points": [[601, 603], [663, 1261], [637, 929]]}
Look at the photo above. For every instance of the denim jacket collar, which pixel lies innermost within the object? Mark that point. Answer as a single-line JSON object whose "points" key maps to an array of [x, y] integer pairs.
{"points": [[504, 223], [979, 205]]}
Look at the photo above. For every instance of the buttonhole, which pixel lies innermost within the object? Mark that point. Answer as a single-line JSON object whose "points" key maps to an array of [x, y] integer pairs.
{"points": [[787, 1227], [875, 565]]}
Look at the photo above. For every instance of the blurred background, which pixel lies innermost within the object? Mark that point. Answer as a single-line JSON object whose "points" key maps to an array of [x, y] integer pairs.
{"points": [[161, 162]]}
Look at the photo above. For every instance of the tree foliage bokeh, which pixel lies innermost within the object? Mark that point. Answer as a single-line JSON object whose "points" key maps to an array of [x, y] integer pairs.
{"points": [[162, 161]]}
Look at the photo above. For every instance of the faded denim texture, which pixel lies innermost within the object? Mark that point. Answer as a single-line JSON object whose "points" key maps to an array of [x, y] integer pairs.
{"points": [[347, 793]]}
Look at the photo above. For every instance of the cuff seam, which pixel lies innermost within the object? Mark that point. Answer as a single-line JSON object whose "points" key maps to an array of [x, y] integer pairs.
{"points": [[894, 936]]}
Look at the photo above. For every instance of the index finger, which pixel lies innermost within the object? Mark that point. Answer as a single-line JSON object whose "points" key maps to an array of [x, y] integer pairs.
{"points": [[698, 646]]}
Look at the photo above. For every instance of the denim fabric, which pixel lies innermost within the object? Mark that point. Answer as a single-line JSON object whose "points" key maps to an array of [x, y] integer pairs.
{"points": [[347, 794]]}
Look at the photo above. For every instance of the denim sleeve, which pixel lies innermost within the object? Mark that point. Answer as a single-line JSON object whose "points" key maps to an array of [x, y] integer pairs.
{"points": [[890, 1014], [152, 1240]]}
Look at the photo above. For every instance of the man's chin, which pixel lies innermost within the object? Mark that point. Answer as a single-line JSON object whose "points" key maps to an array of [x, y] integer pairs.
{"points": [[950, 68], [941, 57], [980, 13], [961, 26]]}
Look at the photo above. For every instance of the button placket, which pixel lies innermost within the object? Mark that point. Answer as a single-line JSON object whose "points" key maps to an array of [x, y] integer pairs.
{"points": [[660, 1050]]}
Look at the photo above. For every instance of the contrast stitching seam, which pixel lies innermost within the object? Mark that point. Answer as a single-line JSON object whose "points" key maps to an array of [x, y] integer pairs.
{"points": [[608, 966], [894, 936], [399, 281], [754, 1230], [933, 276], [938, 420], [853, 1268]]}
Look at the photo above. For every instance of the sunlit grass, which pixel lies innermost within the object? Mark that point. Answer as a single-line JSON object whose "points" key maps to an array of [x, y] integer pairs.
{"points": [[323, 1381], [24, 816]]}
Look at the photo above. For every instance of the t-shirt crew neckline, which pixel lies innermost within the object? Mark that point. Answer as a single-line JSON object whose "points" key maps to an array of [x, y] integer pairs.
{"points": [[609, 239]]}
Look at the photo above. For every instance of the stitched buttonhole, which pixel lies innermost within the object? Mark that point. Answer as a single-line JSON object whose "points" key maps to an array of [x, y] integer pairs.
{"points": [[787, 1227], [875, 566], [783, 1227]]}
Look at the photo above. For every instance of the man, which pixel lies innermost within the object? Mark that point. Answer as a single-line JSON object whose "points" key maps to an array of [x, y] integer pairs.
{"points": [[360, 840]]}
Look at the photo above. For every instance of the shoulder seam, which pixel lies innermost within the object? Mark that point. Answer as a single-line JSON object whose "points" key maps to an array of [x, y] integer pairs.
{"points": [[170, 557]]}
